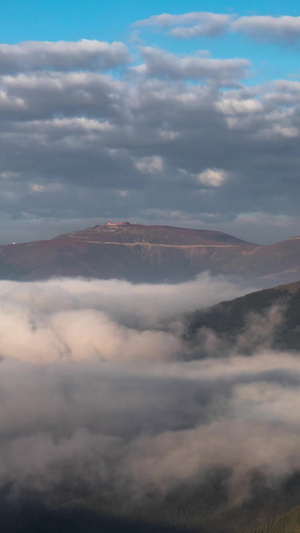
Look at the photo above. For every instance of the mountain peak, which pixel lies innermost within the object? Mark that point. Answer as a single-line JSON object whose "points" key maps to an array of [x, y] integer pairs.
{"points": [[127, 233]]}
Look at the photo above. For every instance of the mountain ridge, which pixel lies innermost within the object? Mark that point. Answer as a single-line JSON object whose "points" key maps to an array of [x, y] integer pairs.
{"points": [[154, 234], [131, 252], [155, 254]]}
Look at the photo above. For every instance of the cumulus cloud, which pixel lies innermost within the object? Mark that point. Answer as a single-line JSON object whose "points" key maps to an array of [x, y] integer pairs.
{"points": [[152, 164], [189, 24], [265, 28], [78, 143], [212, 177], [62, 56], [149, 138], [222, 71], [282, 30]]}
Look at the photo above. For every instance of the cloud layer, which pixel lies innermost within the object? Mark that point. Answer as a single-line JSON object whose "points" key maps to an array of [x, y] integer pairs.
{"points": [[90, 133], [62, 55], [94, 131], [72, 320], [98, 395]]}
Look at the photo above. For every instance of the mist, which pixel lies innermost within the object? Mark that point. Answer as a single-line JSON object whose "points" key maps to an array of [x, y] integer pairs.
{"points": [[100, 394], [76, 319]]}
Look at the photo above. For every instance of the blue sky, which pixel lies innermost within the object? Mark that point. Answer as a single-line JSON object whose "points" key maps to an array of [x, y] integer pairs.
{"points": [[96, 19], [72, 20], [189, 120]]}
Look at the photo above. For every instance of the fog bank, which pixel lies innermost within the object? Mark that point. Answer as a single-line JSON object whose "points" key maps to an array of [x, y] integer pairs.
{"points": [[80, 417]]}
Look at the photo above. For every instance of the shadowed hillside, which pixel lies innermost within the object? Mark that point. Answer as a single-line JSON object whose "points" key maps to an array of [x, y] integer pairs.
{"points": [[230, 320]]}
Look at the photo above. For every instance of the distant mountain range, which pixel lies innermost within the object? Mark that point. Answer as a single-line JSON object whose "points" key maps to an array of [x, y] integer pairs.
{"points": [[141, 253]]}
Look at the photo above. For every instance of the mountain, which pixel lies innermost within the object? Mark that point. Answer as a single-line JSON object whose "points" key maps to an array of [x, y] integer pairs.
{"points": [[154, 254], [278, 262], [269, 317], [124, 251]]}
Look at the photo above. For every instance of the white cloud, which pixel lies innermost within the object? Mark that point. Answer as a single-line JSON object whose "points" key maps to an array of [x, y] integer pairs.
{"points": [[160, 63], [62, 55], [151, 165], [212, 177], [189, 24], [284, 29], [234, 106]]}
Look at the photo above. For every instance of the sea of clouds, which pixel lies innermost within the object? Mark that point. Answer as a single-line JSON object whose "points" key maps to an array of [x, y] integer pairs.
{"points": [[99, 393]]}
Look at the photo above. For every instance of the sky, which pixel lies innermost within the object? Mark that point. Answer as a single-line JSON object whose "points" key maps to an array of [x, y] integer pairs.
{"points": [[151, 112]]}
